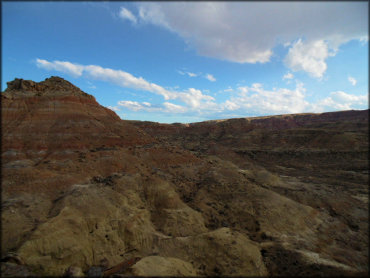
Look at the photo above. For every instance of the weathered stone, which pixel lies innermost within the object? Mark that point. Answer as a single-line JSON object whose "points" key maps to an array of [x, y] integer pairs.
{"points": [[73, 271], [95, 271], [163, 266], [9, 269]]}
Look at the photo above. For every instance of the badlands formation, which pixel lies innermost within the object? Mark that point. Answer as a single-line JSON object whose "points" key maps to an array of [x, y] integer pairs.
{"points": [[85, 193]]}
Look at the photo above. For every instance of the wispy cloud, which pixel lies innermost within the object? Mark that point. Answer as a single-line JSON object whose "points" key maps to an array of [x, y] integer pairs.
{"points": [[118, 77], [288, 76], [210, 77], [127, 15], [174, 108], [190, 74], [166, 107], [207, 76], [91, 85], [192, 97], [72, 69], [113, 108], [352, 80]]}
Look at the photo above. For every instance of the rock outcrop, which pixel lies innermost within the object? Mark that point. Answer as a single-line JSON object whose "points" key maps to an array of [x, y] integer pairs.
{"points": [[84, 191]]}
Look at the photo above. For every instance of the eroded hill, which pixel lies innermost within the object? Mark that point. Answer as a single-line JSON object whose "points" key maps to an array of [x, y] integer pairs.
{"points": [[281, 195]]}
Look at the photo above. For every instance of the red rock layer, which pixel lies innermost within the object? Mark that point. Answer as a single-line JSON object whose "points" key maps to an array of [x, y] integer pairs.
{"points": [[54, 115]]}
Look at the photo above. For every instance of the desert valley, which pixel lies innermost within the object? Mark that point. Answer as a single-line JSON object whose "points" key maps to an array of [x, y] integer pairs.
{"points": [[85, 193]]}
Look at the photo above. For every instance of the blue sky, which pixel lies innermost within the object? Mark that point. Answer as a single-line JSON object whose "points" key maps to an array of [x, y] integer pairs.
{"points": [[188, 62]]}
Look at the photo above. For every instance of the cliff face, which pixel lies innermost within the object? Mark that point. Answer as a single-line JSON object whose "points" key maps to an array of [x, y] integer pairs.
{"points": [[281, 195]]}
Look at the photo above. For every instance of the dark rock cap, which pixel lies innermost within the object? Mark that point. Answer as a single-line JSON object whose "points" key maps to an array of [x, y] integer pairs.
{"points": [[20, 84], [52, 85]]}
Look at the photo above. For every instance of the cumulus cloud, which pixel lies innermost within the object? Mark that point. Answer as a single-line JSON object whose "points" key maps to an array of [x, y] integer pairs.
{"points": [[195, 99], [246, 32], [352, 80], [340, 100], [309, 57], [259, 101], [210, 77], [127, 15], [229, 105]]}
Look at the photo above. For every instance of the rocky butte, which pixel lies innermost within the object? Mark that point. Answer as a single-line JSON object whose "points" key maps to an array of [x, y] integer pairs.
{"points": [[86, 193]]}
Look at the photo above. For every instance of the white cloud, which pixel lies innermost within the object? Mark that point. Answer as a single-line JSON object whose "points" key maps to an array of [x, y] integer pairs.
{"points": [[309, 57], [191, 74], [288, 76], [259, 101], [340, 100], [344, 97], [229, 105], [126, 14], [91, 85], [113, 108], [73, 69], [352, 80], [118, 77], [210, 77], [173, 108], [194, 98], [166, 107], [132, 105], [137, 106], [228, 90], [246, 32], [364, 40], [251, 100]]}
